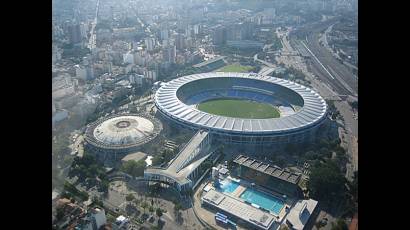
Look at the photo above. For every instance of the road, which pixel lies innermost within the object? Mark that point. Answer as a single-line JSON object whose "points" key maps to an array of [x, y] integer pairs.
{"points": [[255, 58], [328, 88], [323, 63], [92, 43]]}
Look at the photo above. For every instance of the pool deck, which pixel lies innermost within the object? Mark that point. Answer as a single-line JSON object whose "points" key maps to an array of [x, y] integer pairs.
{"points": [[241, 210], [238, 191], [243, 185]]}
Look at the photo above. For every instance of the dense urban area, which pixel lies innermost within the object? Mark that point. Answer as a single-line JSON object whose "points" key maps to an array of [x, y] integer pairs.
{"points": [[125, 157]]}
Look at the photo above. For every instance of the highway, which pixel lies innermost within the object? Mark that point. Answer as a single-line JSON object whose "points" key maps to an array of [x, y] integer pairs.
{"points": [[92, 43], [322, 62]]}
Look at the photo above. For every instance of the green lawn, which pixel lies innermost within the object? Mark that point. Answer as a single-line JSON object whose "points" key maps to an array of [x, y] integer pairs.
{"points": [[235, 68], [239, 108]]}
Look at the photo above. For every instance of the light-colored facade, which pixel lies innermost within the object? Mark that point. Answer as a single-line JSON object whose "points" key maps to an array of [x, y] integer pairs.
{"points": [[183, 170], [300, 214]]}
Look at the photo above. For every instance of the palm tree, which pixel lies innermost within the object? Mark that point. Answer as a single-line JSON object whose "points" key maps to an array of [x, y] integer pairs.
{"points": [[144, 205]]}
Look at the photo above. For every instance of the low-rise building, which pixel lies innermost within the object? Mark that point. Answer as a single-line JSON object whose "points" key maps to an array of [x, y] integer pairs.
{"points": [[245, 44], [300, 214], [269, 176]]}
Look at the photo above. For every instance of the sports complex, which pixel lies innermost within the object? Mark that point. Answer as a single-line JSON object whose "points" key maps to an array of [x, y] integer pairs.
{"points": [[243, 108]]}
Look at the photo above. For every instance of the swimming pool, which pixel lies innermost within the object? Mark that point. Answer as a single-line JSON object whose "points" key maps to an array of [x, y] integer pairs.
{"points": [[227, 186], [263, 200]]}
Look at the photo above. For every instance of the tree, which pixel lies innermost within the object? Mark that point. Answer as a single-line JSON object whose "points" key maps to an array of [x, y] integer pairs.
{"points": [[129, 197], [207, 165], [151, 209], [354, 104], [159, 212], [339, 225], [60, 213], [326, 182], [144, 205], [134, 168], [105, 184], [177, 207]]}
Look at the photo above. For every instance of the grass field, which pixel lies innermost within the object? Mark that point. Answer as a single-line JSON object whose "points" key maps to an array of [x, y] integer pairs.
{"points": [[235, 68], [239, 108]]}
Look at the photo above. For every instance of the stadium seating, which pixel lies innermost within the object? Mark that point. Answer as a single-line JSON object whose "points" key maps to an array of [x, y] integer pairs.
{"points": [[241, 88]]}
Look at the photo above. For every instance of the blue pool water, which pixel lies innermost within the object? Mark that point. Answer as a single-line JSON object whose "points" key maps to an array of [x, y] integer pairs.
{"points": [[228, 186], [263, 200]]}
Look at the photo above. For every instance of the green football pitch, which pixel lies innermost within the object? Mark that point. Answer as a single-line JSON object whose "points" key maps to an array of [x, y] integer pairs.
{"points": [[235, 68], [239, 108]]}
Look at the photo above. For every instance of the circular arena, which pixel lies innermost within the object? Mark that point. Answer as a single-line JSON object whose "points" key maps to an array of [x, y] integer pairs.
{"points": [[243, 107], [122, 133]]}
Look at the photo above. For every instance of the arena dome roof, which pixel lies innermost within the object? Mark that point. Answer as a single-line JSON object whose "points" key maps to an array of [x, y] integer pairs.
{"points": [[122, 131]]}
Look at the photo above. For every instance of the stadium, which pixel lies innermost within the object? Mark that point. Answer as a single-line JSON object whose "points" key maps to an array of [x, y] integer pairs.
{"points": [[114, 136], [243, 108]]}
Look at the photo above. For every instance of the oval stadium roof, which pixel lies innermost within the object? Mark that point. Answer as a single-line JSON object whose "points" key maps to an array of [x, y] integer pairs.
{"points": [[313, 110]]}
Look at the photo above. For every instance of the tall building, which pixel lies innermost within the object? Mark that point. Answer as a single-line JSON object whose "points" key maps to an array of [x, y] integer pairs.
{"points": [[150, 43], [180, 41], [219, 35], [80, 72], [169, 54], [236, 32], [164, 34], [136, 79], [83, 30], [197, 29], [128, 58], [151, 75], [74, 33]]}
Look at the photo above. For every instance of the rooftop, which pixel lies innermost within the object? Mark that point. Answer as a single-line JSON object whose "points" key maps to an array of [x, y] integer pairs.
{"points": [[123, 131], [310, 115], [271, 170], [300, 213], [187, 160], [239, 209]]}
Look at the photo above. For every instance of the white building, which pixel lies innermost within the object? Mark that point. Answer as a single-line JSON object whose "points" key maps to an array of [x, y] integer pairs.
{"points": [[121, 221], [136, 79], [169, 54], [141, 58], [83, 30], [150, 43], [197, 29], [300, 214], [96, 89], [164, 34], [151, 75], [94, 220], [80, 72], [99, 217], [128, 58]]}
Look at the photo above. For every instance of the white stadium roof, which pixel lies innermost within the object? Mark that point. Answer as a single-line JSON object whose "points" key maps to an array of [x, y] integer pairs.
{"points": [[313, 110], [122, 131]]}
